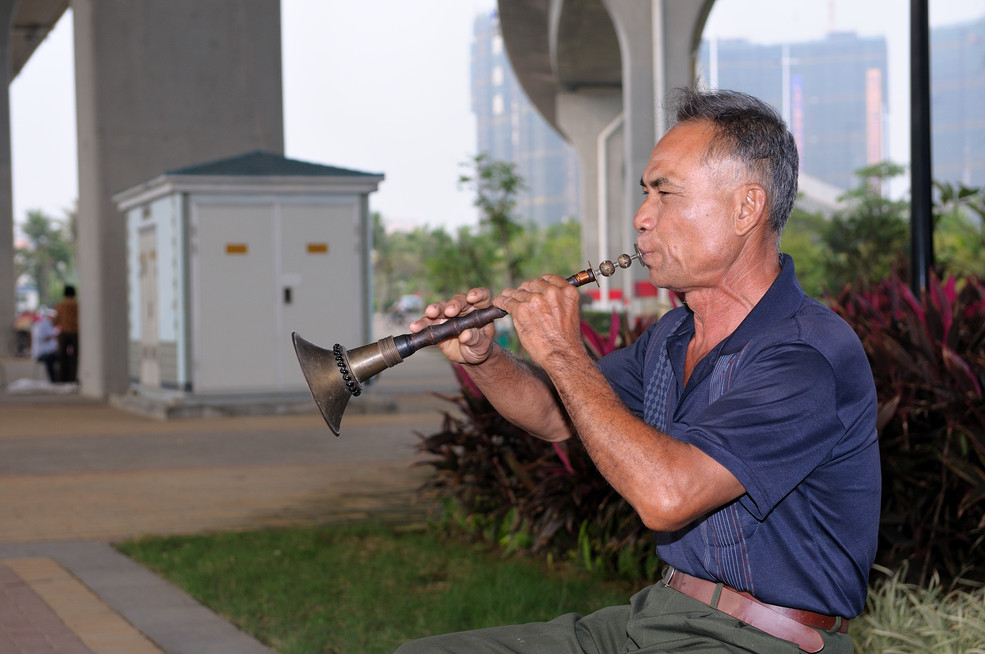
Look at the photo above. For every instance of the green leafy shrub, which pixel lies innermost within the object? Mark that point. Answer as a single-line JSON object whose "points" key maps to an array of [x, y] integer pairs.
{"points": [[959, 229], [505, 485], [928, 359]]}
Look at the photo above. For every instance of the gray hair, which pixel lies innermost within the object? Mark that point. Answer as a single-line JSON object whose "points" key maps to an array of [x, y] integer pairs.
{"points": [[752, 132]]}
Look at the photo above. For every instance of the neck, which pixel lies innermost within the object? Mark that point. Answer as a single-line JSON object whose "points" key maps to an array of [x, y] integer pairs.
{"points": [[721, 308]]}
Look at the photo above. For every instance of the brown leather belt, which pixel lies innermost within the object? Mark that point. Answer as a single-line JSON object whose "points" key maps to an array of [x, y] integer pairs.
{"points": [[793, 625]]}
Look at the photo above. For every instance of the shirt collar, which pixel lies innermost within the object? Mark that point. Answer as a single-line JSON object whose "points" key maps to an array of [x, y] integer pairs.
{"points": [[781, 301]]}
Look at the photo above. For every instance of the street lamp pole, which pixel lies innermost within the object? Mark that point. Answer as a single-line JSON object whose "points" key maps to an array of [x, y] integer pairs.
{"points": [[921, 184]]}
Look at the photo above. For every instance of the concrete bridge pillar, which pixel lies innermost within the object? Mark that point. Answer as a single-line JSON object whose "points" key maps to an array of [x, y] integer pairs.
{"points": [[599, 71], [657, 42], [7, 278], [594, 125], [160, 85]]}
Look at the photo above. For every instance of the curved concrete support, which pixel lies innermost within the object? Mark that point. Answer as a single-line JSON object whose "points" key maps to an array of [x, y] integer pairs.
{"points": [[524, 25], [632, 21], [32, 21], [583, 63], [584, 118], [677, 27], [583, 45]]}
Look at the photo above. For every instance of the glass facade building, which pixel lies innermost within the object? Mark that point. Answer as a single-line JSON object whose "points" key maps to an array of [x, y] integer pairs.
{"points": [[831, 92], [957, 107], [509, 128]]}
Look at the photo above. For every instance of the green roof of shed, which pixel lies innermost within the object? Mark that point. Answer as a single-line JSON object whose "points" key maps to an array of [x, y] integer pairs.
{"points": [[259, 163]]}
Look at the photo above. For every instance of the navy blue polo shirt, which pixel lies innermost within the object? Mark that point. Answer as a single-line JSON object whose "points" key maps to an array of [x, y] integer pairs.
{"points": [[787, 404]]}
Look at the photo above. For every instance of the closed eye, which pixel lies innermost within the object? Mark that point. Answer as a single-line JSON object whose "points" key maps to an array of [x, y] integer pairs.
{"points": [[661, 185]]}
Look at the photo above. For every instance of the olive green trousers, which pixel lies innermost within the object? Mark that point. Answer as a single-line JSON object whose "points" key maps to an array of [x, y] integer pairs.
{"points": [[657, 619]]}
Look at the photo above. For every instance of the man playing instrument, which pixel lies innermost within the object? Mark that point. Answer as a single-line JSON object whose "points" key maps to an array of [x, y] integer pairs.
{"points": [[741, 427]]}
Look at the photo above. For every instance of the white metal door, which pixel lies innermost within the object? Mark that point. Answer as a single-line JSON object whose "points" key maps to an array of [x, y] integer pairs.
{"points": [[235, 298], [150, 369], [321, 288]]}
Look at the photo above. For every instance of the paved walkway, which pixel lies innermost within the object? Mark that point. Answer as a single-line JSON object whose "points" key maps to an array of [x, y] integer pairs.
{"points": [[77, 475]]}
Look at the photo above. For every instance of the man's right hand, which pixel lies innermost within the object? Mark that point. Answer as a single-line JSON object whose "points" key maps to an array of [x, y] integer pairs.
{"points": [[473, 346]]}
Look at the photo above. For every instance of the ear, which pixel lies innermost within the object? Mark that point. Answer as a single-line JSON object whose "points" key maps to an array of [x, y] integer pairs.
{"points": [[751, 208]]}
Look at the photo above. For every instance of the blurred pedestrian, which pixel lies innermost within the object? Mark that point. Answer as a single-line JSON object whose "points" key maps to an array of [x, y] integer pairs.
{"points": [[67, 322], [44, 342], [22, 328]]}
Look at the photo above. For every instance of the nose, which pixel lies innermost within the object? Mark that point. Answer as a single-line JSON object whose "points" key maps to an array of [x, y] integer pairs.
{"points": [[643, 220]]}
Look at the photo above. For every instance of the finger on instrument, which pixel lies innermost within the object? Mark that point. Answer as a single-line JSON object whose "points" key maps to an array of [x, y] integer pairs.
{"points": [[478, 297], [555, 280]]}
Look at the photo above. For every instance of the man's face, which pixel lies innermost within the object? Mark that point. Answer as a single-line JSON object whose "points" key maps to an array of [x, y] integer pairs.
{"points": [[685, 223]]}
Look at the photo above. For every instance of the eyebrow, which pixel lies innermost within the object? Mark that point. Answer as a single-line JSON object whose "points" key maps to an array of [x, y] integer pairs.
{"points": [[657, 183]]}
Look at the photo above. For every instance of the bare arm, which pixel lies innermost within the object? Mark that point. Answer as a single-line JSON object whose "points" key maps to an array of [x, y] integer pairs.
{"points": [[523, 394], [520, 392], [669, 483]]}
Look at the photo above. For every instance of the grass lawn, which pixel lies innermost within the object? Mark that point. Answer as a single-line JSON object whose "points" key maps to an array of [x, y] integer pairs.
{"points": [[364, 589]]}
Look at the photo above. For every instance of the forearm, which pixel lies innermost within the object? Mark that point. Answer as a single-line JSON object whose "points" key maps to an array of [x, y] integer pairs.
{"points": [[523, 394], [668, 482]]}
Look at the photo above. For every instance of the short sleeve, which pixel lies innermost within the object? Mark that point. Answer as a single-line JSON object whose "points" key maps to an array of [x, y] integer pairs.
{"points": [[776, 423], [623, 369]]}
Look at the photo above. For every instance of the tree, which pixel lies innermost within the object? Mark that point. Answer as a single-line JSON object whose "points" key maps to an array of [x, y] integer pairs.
{"points": [[499, 253], [384, 266], [959, 229], [869, 238], [49, 258], [398, 262], [496, 185], [555, 249], [455, 265], [803, 240]]}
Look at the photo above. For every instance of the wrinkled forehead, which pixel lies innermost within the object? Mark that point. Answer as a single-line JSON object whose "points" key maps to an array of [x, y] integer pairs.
{"points": [[690, 145]]}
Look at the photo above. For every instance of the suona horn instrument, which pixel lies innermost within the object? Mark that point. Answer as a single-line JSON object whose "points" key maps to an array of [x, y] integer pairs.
{"points": [[333, 376]]}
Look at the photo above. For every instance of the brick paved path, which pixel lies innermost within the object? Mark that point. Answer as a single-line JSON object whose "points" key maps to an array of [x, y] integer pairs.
{"points": [[76, 475]]}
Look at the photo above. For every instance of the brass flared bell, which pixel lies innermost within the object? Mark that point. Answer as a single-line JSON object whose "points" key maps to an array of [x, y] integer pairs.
{"points": [[333, 376]]}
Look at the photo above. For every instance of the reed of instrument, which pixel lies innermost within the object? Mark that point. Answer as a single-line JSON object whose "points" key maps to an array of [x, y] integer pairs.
{"points": [[333, 376]]}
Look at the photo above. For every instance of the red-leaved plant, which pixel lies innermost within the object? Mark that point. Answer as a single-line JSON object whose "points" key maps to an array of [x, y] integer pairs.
{"points": [[928, 360], [533, 495]]}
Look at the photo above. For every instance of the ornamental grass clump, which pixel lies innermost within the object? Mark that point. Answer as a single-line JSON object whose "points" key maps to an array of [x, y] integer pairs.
{"points": [[903, 618]]}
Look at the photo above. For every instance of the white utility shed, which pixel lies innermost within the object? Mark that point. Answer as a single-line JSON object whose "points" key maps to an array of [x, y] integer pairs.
{"points": [[227, 258]]}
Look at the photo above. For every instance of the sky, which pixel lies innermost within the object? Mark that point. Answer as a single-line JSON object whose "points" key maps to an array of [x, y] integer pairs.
{"points": [[372, 86], [367, 85]]}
